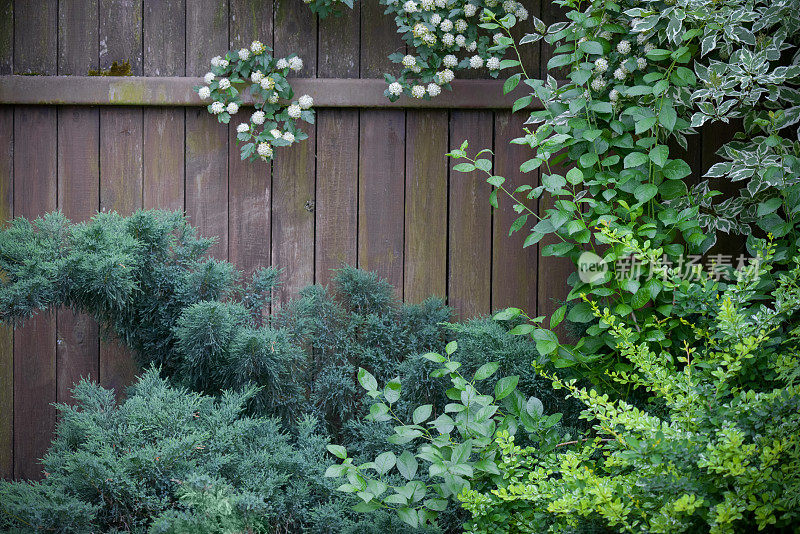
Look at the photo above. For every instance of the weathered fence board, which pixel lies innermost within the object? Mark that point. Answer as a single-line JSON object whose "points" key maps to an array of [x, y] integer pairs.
{"points": [[6, 333], [35, 163], [425, 253], [370, 187], [470, 220]]}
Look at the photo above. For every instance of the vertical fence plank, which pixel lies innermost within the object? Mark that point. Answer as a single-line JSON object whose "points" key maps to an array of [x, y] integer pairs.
{"points": [[206, 139], [337, 150], [249, 188], [120, 191], [35, 35], [78, 198], [294, 169], [381, 194], [6, 36], [514, 273], [470, 220], [78, 349], [78, 43], [425, 256], [35, 343], [381, 162], [6, 332], [337, 191], [6, 213], [121, 34], [121, 28], [164, 38]]}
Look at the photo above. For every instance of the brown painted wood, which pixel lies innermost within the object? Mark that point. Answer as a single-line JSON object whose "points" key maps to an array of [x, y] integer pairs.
{"points": [[6, 332], [164, 55], [163, 165], [339, 50], [207, 178], [6, 213], [337, 149], [206, 139], [35, 141], [6, 36], [77, 350], [78, 345], [35, 36], [294, 167], [78, 43], [337, 192], [164, 32], [120, 191], [35, 145], [381, 191], [172, 91], [514, 270], [249, 183], [379, 38], [470, 220], [425, 257], [121, 34]]}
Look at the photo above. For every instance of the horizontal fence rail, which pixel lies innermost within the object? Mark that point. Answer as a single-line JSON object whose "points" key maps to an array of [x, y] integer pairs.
{"points": [[178, 91]]}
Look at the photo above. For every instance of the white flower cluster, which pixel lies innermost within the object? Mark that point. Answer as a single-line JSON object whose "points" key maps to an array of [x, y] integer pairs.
{"points": [[272, 124], [445, 36]]}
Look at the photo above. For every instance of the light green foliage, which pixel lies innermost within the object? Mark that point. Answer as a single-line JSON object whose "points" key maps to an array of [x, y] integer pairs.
{"points": [[641, 76], [166, 452], [442, 453], [725, 457]]}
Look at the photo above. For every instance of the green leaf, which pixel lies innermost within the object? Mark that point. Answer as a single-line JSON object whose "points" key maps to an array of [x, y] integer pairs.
{"points": [[338, 451], [451, 347], [659, 154], [558, 316], [640, 298], [407, 465], [366, 380], [484, 164], [668, 118], [486, 370], [384, 462], [422, 413], [464, 167], [531, 165], [505, 386], [645, 192], [434, 357], [574, 176], [511, 83], [546, 341], [591, 47], [507, 314], [408, 516], [392, 391], [635, 159], [769, 206], [581, 313], [520, 103], [676, 169]]}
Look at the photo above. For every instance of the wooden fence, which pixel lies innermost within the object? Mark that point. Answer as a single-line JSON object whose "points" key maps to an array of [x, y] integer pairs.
{"points": [[370, 187]]}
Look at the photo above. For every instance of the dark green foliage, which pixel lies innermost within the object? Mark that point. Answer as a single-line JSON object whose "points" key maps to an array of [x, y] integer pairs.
{"points": [[357, 323], [119, 466], [146, 279]]}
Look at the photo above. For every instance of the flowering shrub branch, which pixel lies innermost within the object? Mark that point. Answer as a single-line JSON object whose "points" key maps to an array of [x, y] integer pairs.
{"points": [[274, 123]]}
